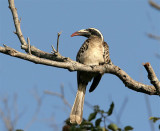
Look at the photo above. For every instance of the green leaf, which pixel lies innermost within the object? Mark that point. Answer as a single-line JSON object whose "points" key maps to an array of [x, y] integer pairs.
{"points": [[98, 122], [102, 111], [128, 128], [92, 116], [113, 127], [103, 129], [110, 109], [154, 119], [119, 129], [96, 108]]}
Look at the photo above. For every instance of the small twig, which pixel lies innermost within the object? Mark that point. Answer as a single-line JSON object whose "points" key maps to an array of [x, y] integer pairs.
{"points": [[15, 108], [149, 111], [53, 49], [9, 120], [59, 33], [29, 46], [104, 117], [62, 90], [157, 55], [155, 5], [121, 110], [153, 36], [37, 110], [59, 95], [152, 77]]}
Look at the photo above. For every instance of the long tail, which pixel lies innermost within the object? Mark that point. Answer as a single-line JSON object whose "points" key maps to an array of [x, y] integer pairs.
{"points": [[77, 109]]}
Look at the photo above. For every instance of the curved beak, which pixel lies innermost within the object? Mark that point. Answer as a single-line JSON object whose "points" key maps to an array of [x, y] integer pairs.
{"points": [[82, 32], [75, 34]]}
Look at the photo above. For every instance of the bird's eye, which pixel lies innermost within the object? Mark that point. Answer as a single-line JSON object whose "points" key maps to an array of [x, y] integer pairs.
{"points": [[88, 30]]}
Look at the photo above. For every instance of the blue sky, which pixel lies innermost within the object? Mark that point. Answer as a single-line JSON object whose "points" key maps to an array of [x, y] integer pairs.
{"points": [[124, 25]]}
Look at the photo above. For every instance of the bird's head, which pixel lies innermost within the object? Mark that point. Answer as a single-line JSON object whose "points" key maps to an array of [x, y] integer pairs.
{"points": [[88, 33]]}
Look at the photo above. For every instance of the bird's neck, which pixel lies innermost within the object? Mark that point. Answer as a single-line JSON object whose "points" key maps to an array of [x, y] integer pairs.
{"points": [[96, 38]]}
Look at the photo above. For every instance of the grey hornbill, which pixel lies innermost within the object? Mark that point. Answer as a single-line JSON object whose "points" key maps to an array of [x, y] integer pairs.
{"points": [[94, 51]]}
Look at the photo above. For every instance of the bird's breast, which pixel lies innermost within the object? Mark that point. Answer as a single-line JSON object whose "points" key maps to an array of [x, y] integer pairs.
{"points": [[93, 55]]}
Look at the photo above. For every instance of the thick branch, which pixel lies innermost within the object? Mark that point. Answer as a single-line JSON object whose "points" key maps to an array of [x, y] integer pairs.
{"points": [[75, 66], [67, 64]]}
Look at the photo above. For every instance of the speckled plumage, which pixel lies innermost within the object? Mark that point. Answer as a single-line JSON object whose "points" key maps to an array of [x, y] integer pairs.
{"points": [[94, 51]]}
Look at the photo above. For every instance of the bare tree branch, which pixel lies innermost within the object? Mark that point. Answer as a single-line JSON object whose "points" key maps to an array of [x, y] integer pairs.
{"points": [[24, 45], [75, 66], [56, 52], [153, 36], [155, 5], [59, 33], [16, 22], [152, 77], [6, 113], [41, 57], [6, 116], [10, 115], [15, 109], [149, 112], [29, 46], [121, 111], [60, 95], [37, 110]]}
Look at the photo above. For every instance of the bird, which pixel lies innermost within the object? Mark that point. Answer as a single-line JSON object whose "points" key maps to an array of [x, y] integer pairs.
{"points": [[94, 51]]}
